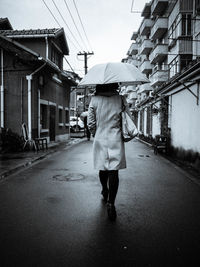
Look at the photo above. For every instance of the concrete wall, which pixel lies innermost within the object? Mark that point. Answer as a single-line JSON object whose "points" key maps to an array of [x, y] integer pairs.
{"points": [[185, 121], [156, 126]]}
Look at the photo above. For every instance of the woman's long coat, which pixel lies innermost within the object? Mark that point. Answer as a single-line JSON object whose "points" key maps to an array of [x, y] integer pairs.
{"points": [[104, 121]]}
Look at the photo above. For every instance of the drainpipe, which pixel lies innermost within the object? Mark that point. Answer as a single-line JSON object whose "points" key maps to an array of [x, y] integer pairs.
{"points": [[29, 78], [38, 113], [47, 47], [2, 91]]}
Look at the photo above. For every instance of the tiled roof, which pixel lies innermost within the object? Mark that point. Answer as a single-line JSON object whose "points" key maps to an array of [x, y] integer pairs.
{"points": [[28, 32], [54, 33], [5, 24]]}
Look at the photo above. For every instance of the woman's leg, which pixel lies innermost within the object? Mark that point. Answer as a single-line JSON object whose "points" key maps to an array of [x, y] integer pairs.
{"points": [[113, 181], [103, 176]]}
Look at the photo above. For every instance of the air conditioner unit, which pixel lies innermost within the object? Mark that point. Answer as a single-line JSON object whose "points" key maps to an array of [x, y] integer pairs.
{"points": [[151, 94]]}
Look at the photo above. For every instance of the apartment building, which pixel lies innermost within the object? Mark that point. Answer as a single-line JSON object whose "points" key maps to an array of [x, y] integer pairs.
{"points": [[166, 48]]}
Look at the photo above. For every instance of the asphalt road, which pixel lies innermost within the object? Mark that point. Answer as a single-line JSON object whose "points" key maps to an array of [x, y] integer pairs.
{"points": [[51, 214]]}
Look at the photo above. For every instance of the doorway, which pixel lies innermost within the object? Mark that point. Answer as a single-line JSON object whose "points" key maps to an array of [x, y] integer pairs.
{"points": [[52, 128]]}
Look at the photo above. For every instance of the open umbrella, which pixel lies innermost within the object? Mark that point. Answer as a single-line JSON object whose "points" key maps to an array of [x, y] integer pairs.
{"points": [[116, 72]]}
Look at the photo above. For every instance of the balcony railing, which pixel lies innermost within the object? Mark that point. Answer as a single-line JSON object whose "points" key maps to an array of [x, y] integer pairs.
{"points": [[146, 67], [134, 36], [146, 87], [146, 47], [133, 50], [159, 53], [145, 27], [133, 61], [159, 28], [158, 7], [146, 12], [185, 46], [158, 77]]}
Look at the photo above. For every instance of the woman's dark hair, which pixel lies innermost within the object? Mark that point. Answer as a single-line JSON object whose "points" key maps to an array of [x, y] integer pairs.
{"points": [[107, 87]]}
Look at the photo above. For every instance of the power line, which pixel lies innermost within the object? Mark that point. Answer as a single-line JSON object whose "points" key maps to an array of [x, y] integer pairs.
{"points": [[52, 13], [66, 24], [74, 23], [82, 25], [59, 24], [68, 64], [60, 27]]}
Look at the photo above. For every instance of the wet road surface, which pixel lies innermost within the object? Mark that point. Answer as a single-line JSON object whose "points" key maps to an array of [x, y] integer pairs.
{"points": [[51, 214]]}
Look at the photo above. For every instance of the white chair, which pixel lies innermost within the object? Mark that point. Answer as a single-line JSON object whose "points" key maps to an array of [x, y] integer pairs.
{"points": [[27, 141]]}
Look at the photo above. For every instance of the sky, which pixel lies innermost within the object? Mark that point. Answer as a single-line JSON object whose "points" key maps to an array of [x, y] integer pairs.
{"points": [[108, 25]]}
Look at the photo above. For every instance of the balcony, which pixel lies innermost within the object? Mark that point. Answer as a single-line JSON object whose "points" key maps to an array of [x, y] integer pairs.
{"points": [[146, 47], [144, 88], [158, 7], [132, 60], [159, 53], [185, 46], [145, 27], [146, 67], [146, 12], [134, 36], [133, 50], [159, 28], [158, 77]]}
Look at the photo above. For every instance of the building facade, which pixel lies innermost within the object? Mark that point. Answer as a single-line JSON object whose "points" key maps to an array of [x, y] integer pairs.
{"points": [[34, 87], [166, 48]]}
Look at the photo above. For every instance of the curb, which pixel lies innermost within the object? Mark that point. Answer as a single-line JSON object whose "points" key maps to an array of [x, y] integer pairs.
{"points": [[29, 163], [142, 141], [192, 177]]}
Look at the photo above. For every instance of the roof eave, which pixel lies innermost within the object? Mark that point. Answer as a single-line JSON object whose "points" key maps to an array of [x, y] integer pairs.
{"points": [[61, 32]]}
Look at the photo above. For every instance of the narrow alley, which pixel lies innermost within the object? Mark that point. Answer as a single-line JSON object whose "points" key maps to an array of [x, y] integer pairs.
{"points": [[52, 213]]}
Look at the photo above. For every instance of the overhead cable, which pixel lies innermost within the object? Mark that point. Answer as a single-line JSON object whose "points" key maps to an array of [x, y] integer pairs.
{"points": [[52, 13], [75, 23], [60, 27], [68, 64], [82, 24], [59, 24], [66, 24]]}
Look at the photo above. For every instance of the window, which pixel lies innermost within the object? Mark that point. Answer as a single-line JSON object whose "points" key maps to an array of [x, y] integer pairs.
{"points": [[66, 116], [55, 56], [186, 24], [43, 116], [60, 115], [173, 67], [185, 60]]}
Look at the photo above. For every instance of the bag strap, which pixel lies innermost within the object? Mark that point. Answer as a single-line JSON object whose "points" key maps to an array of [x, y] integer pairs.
{"points": [[123, 105]]}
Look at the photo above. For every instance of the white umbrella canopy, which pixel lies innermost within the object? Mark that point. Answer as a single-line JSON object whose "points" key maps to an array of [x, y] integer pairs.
{"points": [[114, 72]]}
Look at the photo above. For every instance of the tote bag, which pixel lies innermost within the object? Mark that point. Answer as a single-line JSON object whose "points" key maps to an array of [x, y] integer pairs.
{"points": [[129, 130]]}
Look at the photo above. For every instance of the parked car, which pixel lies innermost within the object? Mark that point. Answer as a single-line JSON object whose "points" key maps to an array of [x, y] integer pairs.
{"points": [[76, 124]]}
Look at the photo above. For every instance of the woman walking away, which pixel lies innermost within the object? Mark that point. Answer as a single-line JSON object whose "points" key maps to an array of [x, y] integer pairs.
{"points": [[104, 122]]}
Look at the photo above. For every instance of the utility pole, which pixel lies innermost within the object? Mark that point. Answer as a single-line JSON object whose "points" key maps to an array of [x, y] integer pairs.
{"points": [[85, 54]]}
